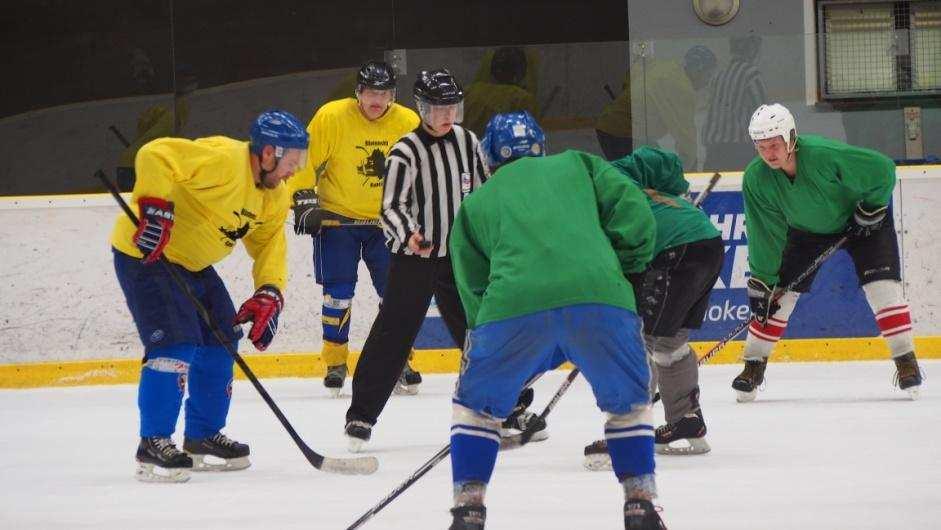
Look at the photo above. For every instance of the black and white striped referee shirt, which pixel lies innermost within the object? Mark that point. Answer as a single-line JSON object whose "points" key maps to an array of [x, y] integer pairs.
{"points": [[426, 180], [736, 92]]}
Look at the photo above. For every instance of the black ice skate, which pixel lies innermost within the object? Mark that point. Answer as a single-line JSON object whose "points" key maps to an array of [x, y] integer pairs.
{"points": [[224, 453], [908, 374], [334, 379], [746, 383], [640, 514], [408, 382], [690, 429], [158, 460], [511, 430], [468, 518], [597, 457], [357, 433]]}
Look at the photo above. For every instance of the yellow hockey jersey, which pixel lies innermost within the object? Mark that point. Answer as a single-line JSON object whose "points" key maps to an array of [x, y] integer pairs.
{"points": [[346, 160], [216, 204]]}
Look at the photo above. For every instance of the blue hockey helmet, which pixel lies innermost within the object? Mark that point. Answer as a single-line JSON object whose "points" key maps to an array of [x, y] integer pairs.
{"points": [[279, 129], [512, 135]]}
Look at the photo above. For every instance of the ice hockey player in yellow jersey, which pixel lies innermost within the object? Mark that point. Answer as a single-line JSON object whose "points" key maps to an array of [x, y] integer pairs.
{"points": [[350, 139]]}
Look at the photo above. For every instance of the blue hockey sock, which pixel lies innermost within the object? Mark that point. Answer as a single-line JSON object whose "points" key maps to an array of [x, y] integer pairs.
{"points": [[335, 316], [210, 392], [160, 392], [475, 440], [630, 440]]}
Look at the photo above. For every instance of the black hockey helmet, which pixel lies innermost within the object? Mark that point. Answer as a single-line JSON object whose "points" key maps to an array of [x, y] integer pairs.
{"points": [[438, 87], [377, 75]]}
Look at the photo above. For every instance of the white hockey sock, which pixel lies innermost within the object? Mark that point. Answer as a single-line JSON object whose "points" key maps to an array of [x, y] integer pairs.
{"points": [[761, 338], [892, 315]]}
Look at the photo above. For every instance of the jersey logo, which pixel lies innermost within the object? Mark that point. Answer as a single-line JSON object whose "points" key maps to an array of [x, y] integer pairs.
{"points": [[373, 166], [238, 233], [656, 197]]}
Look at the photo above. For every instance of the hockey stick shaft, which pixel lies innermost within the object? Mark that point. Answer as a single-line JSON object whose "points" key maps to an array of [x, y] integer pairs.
{"points": [[315, 458], [120, 136], [705, 193], [742, 326], [446, 450]]}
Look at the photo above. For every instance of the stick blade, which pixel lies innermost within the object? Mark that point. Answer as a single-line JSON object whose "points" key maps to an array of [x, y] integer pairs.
{"points": [[362, 465]]}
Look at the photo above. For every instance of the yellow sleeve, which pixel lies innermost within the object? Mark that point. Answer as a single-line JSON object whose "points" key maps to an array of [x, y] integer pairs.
{"points": [[675, 102], [267, 244], [323, 133], [167, 161]]}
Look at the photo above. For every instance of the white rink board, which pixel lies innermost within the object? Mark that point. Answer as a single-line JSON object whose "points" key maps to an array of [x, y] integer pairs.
{"points": [[62, 301]]}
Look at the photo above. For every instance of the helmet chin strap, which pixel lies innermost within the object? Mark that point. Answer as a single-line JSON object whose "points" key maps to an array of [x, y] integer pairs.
{"points": [[262, 172]]}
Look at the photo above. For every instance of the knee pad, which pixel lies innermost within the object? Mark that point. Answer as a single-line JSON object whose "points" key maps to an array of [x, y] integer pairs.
{"points": [[462, 416], [668, 350]]}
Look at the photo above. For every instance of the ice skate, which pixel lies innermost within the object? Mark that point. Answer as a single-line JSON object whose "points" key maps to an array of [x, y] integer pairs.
{"points": [[908, 375], [747, 383], [217, 453], [597, 457], [514, 426], [408, 382], [158, 460], [641, 514], [684, 437], [333, 380], [468, 517], [357, 433]]}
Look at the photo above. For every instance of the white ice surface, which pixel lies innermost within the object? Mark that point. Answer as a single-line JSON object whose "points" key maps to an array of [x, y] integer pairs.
{"points": [[825, 446]]}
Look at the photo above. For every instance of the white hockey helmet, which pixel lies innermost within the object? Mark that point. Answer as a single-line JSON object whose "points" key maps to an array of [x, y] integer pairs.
{"points": [[773, 120]]}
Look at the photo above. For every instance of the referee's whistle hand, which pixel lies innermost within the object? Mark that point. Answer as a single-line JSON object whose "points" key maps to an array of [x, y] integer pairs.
{"points": [[418, 245]]}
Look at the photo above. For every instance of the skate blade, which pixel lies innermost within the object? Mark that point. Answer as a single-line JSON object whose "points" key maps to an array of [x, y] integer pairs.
{"points": [[356, 445], [745, 397], [694, 446], [914, 392], [405, 390], [202, 463], [598, 462], [150, 473], [510, 441], [334, 391]]}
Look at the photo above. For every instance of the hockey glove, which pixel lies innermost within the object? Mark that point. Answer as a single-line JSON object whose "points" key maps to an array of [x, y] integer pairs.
{"points": [[262, 311], [153, 228], [760, 300], [864, 222], [307, 213]]}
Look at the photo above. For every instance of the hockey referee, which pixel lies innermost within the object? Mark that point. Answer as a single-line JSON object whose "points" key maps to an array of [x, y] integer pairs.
{"points": [[428, 173]]}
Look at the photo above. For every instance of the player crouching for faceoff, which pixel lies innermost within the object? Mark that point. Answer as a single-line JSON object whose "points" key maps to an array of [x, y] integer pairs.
{"points": [[211, 193], [584, 225], [672, 298], [801, 194]]}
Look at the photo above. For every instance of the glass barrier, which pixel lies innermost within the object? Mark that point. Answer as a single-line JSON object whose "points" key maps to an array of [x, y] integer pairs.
{"points": [[96, 85]]}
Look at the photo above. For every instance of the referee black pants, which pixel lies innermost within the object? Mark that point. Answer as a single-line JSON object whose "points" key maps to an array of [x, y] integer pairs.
{"points": [[412, 282]]}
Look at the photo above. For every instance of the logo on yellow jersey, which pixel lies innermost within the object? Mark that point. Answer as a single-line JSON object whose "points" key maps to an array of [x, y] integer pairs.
{"points": [[373, 166], [238, 233]]}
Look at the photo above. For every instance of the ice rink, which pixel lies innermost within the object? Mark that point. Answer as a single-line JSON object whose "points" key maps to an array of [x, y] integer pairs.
{"points": [[829, 446]]}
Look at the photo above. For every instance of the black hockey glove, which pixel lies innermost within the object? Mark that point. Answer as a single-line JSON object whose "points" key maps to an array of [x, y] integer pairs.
{"points": [[760, 300], [864, 222], [307, 213]]}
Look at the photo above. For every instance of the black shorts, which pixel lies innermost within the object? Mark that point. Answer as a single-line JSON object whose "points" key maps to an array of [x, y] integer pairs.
{"points": [[673, 292], [875, 257]]}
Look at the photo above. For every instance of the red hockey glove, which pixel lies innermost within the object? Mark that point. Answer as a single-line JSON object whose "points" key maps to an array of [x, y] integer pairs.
{"points": [[153, 228], [262, 311]]}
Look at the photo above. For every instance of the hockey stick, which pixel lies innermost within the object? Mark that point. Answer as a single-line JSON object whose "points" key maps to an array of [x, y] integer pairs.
{"points": [[776, 296], [705, 193], [346, 466], [120, 136], [446, 450]]}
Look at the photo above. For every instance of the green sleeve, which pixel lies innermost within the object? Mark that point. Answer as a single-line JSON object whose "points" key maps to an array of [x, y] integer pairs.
{"points": [[471, 266], [868, 173], [626, 217], [766, 229]]}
